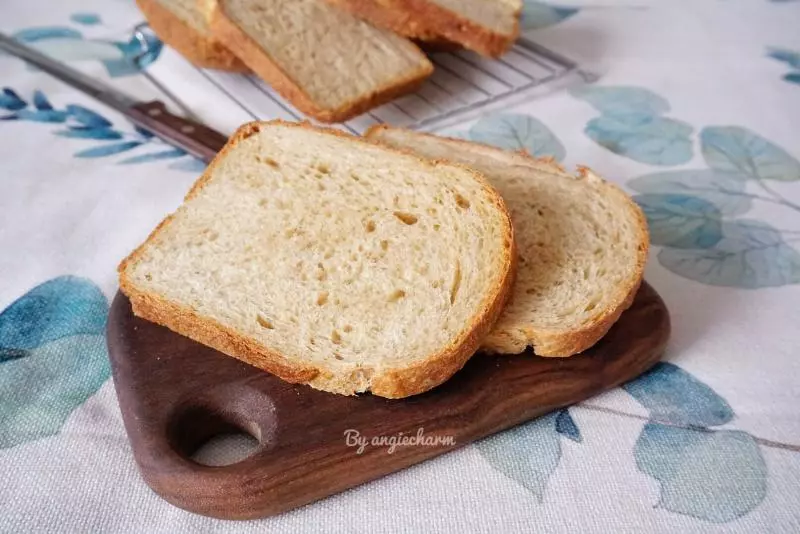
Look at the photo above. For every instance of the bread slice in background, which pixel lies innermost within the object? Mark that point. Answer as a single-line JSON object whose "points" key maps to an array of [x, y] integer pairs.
{"points": [[182, 25], [582, 245], [331, 261], [488, 27], [327, 63]]}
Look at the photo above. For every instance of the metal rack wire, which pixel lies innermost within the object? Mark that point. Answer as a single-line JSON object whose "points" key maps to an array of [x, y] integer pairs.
{"points": [[462, 85]]}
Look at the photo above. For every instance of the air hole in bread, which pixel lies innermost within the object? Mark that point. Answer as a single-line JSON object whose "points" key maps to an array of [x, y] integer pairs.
{"points": [[355, 177], [432, 211], [272, 163], [396, 295], [437, 284], [338, 356], [347, 328], [336, 337], [384, 245], [456, 285], [321, 274], [148, 277], [461, 201], [322, 298], [369, 226], [406, 218], [590, 306], [323, 168], [264, 322], [328, 254], [263, 202], [437, 227]]}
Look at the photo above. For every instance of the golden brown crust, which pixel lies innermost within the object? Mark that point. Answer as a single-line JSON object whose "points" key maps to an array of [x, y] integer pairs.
{"points": [[560, 343], [391, 383], [257, 59], [201, 51], [426, 20]]}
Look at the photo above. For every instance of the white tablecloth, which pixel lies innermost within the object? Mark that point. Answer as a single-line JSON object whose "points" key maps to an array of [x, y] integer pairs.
{"points": [[696, 112]]}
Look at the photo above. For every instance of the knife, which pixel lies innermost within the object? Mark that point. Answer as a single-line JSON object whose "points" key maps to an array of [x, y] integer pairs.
{"points": [[196, 139]]}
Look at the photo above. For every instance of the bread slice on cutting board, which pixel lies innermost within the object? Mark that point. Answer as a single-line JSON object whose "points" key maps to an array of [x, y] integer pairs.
{"points": [[582, 245], [329, 64], [488, 27], [329, 260], [182, 25]]}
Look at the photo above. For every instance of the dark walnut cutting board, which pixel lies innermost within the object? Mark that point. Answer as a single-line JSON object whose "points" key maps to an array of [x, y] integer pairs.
{"points": [[176, 394]]}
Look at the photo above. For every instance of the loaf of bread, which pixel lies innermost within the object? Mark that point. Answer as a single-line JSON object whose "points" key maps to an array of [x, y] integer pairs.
{"points": [[331, 261], [488, 27], [182, 25], [582, 245], [329, 64]]}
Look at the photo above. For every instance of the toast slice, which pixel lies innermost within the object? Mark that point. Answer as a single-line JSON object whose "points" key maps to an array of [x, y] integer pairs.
{"points": [[331, 261], [488, 27], [582, 245], [327, 63], [181, 25]]}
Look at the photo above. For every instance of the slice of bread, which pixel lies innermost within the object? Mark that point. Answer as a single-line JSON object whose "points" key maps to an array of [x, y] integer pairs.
{"points": [[181, 25], [582, 245], [488, 27], [329, 260], [327, 63]]}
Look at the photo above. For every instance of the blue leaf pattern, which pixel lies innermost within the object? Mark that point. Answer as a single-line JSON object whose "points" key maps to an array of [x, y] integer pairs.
{"points": [[527, 454], [565, 425], [156, 156], [32, 35], [791, 58], [630, 125], [726, 191], [736, 149], [52, 341], [750, 255], [681, 221], [674, 396], [83, 123], [536, 15], [517, 132], [87, 19], [621, 100], [643, 138], [717, 476], [107, 150]]}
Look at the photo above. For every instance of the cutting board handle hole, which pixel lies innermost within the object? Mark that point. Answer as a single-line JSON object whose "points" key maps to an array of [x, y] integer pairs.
{"points": [[214, 438]]}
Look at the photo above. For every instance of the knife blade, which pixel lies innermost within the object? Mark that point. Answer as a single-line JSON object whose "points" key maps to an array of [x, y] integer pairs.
{"points": [[195, 138]]}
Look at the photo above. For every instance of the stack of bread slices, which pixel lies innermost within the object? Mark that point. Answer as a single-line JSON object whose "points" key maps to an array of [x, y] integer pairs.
{"points": [[332, 59], [383, 263]]}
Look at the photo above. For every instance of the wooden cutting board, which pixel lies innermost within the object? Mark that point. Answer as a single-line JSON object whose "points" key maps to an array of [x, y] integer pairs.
{"points": [[176, 394]]}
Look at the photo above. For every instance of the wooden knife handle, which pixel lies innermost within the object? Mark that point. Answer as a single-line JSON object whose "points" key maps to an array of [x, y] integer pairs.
{"points": [[195, 138]]}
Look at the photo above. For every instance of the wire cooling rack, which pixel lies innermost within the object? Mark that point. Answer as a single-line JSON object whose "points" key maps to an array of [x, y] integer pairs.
{"points": [[463, 85]]}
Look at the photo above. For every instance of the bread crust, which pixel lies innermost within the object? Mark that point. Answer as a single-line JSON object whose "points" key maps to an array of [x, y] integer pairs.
{"points": [[201, 51], [224, 29], [552, 342], [426, 20], [391, 383]]}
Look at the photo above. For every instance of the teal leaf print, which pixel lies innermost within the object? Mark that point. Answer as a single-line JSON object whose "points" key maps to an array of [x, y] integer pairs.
{"points": [[107, 150], [622, 100], [47, 115], [643, 138], [792, 77], [11, 101], [189, 164], [681, 221], [52, 357], [41, 102], [737, 149], [87, 117], [155, 156], [751, 255], [790, 57], [726, 191], [86, 19], [566, 426], [104, 134], [536, 15], [717, 475], [513, 131], [674, 396], [32, 35], [527, 454]]}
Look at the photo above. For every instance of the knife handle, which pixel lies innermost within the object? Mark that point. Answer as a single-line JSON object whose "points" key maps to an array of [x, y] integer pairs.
{"points": [[193, 137]]}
